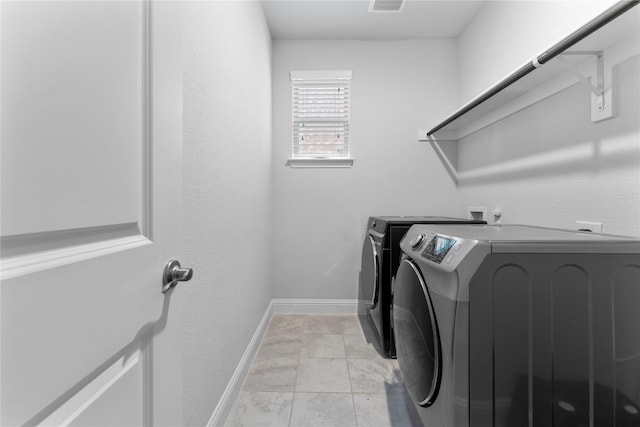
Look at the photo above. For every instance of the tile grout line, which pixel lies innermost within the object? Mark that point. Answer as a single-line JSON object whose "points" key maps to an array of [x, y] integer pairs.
{"points": [[295, 382], [346, 360]]}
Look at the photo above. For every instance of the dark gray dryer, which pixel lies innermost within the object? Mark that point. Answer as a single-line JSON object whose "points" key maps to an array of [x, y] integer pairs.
{"points": [[519, 326], [380, 259]]}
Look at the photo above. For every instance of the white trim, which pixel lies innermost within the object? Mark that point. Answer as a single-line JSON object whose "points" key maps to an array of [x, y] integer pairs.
{"points": [[28, 264], [315, 306], [320, 74], [319, 163], [234, 385]]}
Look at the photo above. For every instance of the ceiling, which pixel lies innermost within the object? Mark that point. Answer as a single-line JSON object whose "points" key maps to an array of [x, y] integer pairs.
{"points": [[350, 19]]}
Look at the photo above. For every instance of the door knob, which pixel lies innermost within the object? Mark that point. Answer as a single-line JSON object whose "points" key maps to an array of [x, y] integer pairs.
{"points": [[174, 273]]}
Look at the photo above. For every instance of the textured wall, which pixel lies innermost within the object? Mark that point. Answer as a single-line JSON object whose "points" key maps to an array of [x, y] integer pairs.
{"points": [[549, 165], [227, 193], [320, 214]]}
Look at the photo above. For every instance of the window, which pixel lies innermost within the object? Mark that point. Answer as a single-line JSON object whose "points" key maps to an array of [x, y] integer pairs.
{"points": [[320, 104]]}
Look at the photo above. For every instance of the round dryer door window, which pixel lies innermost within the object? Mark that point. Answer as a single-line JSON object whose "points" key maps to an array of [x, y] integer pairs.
{"points": [[416, 334]]}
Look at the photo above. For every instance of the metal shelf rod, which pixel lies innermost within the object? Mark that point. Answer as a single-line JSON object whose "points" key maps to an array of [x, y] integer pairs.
{"points": [[584, 31]]}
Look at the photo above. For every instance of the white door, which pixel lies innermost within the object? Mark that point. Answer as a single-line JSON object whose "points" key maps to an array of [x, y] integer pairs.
{"points": [[90, 154]]}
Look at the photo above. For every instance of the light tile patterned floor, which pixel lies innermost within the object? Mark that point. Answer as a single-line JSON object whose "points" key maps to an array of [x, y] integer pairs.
{"points": [[321, 370]]}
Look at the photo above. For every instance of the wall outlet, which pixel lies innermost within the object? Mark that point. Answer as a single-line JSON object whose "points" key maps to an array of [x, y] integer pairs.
{"points": [[477, 213], [595, 227]]}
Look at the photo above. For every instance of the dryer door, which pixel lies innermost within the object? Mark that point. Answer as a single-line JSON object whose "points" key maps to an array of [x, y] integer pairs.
{"points": [[370, 273], [416, 334]]}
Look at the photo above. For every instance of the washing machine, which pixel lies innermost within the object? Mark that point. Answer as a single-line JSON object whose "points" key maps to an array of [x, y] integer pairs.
{"points": [[519, 326], [380, 259]]}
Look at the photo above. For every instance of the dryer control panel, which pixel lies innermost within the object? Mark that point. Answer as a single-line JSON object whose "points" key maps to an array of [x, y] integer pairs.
{"points": [[437, 248]]}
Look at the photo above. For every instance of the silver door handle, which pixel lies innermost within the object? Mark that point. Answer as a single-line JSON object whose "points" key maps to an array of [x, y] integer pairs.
{"points": [[174, 273]]}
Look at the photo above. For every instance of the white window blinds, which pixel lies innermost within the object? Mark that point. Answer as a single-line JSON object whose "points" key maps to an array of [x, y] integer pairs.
{"points": [[320, 114]]}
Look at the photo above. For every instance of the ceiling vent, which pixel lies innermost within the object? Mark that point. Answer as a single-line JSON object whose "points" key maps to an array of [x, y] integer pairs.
{"points": [[386, 5]]}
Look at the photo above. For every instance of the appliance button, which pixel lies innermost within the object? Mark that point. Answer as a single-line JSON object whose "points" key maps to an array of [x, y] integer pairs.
{"points": [[449, 258], [457, 248], [417, 241]]}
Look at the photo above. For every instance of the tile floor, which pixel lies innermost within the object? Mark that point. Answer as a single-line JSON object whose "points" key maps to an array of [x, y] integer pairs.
{"points": [[321, 370]]}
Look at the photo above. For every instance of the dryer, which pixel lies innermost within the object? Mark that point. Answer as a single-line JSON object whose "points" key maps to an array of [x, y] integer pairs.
{"points": [[380, 259], [519, 326]]}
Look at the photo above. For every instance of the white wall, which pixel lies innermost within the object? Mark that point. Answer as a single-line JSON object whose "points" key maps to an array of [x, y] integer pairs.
{"points": [[320, 214], [227, 193], [398, 87], [549, 165]]}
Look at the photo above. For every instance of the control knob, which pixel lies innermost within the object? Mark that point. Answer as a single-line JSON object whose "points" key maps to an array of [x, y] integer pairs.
{"points": [[417, 241]]}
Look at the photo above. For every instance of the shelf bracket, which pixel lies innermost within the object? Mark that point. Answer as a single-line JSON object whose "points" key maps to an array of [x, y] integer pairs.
{"points": [[597, 90], [601, 102]]}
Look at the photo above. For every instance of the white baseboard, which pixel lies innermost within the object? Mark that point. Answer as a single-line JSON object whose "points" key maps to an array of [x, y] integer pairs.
{"points": [[276, 306], [315, 306], [232, 390]]}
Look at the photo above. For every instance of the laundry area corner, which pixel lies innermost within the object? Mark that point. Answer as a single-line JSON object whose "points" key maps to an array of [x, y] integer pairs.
{"points": [[308, 212]]}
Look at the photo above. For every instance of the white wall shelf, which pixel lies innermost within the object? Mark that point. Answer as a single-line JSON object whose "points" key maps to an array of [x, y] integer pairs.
{"points": [[573, 59]]}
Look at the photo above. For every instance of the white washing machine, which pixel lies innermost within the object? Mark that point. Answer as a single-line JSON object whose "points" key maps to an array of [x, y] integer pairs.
{"points": [[519, 326]]}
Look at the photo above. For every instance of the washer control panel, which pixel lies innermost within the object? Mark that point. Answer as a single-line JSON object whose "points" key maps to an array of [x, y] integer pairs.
{"points": [[443, 250], [438, 248]]}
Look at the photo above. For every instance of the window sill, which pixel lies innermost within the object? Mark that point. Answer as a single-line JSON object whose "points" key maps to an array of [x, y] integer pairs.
{"points": [[319, 163]]}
